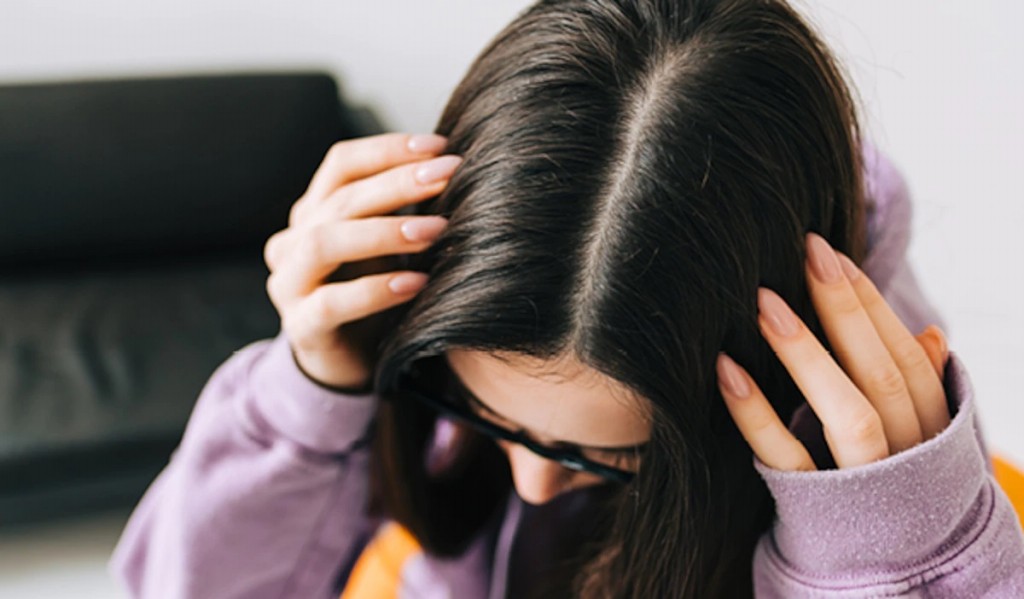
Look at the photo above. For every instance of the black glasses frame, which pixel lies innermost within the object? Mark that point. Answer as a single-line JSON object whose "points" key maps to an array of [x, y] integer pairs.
{"points": [[569, 458]]}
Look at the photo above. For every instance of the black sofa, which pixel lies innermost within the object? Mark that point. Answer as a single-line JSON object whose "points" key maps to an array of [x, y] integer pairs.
{"points": [[134, 213]]}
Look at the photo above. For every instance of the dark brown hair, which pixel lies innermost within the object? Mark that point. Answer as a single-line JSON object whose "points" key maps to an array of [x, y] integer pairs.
{"points": [[634, 170]]}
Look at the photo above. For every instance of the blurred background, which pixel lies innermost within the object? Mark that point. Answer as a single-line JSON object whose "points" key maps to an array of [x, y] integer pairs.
{"points": [[941, 86]]}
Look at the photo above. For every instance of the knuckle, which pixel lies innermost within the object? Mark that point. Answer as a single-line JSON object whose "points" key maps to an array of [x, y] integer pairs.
{"points": [[268, 254], [271, 248], [371, 235], [866, 428], [337, 153], [343, 200], [372, 240], [909, 353], [887, 382], [271, 287], [346, 201], [363, 297], [846, 304], [759, 424], [297, 212], [312, 244], [872, 298], [320, 306], [396, 142], [278, 296], [376, 149]]}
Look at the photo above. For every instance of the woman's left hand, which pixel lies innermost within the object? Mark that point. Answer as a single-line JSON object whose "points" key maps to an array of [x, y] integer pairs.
{"points": [[886, 397]]}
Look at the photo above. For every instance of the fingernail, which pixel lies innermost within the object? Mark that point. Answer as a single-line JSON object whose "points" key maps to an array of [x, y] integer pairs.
{"points": [[731, 376], [780, 318], [407, 282], [851, 270], [424, 228], [437, 169], [426, 143], [823, 260]]}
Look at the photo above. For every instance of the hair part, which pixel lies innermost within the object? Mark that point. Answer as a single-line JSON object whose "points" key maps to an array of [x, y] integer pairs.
{"points": [[633, 171]]}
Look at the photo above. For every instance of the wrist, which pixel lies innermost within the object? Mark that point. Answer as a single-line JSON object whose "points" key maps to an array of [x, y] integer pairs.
{"points": [[359, 385]]}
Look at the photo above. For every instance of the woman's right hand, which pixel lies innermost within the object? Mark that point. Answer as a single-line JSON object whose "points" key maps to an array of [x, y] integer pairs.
{"points": [[339, 219]]}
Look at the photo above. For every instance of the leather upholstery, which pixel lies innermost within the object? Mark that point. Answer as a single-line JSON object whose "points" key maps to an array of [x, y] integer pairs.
{"points": [[133, 218]]}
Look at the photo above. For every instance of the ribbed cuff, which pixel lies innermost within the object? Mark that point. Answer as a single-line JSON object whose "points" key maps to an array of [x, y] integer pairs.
{"points": [[304, 411], [890, 514]]}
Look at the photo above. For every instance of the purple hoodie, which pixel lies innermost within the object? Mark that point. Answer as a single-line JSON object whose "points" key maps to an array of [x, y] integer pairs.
{"points": [[265, 496]]}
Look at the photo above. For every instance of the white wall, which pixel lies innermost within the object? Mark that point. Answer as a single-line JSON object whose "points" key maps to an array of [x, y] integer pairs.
{"points": [[942, 83]]}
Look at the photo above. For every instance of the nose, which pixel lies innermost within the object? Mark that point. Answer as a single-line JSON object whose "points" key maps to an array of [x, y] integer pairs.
{"points": [[537, 479]]}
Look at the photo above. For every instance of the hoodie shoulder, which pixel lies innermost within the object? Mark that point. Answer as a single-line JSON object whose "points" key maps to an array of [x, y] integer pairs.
{"points": [[889, 213]]}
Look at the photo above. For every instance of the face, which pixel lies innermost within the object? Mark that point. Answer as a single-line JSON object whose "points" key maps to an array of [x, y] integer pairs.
{"points": [[560, 401]]}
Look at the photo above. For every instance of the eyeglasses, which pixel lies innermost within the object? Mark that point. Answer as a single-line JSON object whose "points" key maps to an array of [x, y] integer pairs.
{"points": [[459, 407]]}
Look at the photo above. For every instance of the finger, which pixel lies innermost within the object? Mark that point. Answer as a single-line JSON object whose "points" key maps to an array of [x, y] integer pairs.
{"points": [[924, 385], [387, 191], [271, 248], [354, 240], [853, 428], [860, 348], [757, 421], [353, 159], [940, 339], [932, 346], [303, 260], [335, 304]]}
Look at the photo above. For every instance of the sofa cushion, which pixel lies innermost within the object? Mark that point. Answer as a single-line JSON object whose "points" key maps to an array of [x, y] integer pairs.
{"points": [[99, 370]]}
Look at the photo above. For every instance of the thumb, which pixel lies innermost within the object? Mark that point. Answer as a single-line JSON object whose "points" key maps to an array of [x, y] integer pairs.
{"points": [[934, 343]]}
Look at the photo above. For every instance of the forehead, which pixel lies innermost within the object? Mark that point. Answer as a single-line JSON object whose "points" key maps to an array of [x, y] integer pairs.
{"points": [[555, 400]]}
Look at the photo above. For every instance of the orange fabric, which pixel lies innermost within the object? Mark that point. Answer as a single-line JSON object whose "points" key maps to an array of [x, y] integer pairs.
{"points": [[378, 573], [1011, 479]]}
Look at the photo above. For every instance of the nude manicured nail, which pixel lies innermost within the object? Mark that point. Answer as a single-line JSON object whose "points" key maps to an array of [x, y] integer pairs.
{"points": [[437, 169], [823, 260], [780, 317], [426, 143], [424, 228], [407, 282], [731, 376]]}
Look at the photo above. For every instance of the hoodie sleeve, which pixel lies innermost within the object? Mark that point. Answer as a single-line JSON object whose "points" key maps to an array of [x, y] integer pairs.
{"points": [[265, 495], [927, 522], [930, 521]]}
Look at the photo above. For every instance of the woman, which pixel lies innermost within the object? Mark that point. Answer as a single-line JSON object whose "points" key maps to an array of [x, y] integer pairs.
{"points": [[642, 242]]}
